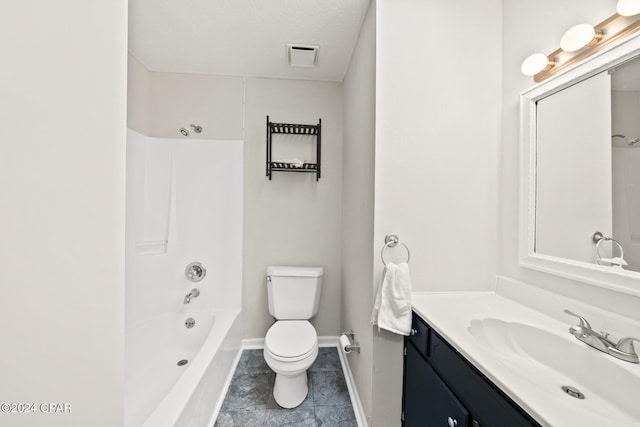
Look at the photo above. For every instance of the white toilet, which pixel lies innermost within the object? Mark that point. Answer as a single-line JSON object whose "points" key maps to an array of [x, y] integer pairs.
{"points": [[291, 343]]}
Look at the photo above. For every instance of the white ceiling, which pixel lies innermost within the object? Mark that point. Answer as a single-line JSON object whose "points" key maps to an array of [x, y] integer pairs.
{"points": [[244, 37]]}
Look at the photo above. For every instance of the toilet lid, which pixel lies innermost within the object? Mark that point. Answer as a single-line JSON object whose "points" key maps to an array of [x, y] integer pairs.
{"points": [[291, 338]]}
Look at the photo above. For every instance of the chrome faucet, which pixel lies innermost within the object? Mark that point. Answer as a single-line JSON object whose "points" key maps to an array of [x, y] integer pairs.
{"points": [[623, 349], [193, 294]]}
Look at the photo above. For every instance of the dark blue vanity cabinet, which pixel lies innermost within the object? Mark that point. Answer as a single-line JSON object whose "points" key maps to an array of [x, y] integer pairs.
{"points": [[441, 388]]}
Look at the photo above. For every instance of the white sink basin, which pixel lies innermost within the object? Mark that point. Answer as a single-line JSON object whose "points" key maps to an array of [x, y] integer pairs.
{"points": [[549, 361]]}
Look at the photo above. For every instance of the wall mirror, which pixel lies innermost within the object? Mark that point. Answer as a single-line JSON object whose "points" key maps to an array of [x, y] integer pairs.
{"points": [[580, 171]]}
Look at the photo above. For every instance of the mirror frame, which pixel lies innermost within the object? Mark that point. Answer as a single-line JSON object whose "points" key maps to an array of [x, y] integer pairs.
{"points": [[623, 281]]}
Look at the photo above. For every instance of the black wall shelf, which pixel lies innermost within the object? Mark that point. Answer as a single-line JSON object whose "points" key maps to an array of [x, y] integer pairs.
{"points": [[293, 129]]}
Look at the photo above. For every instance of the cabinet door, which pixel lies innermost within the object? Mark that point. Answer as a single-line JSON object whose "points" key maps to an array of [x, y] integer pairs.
{"points": [[427, 400]]}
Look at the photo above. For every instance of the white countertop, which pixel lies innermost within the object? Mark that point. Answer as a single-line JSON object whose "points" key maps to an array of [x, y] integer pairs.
{"points": [[531, 385]]}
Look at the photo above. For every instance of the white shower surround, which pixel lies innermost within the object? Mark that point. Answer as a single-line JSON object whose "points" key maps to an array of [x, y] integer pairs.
{"points": [[200, 182]]}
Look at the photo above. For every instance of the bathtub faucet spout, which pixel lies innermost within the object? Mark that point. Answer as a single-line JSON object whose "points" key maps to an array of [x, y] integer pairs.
{"points": [[193, 294]]}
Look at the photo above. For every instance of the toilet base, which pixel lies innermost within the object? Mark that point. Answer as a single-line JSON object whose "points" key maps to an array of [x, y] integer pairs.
{"points": [[290, 390]]}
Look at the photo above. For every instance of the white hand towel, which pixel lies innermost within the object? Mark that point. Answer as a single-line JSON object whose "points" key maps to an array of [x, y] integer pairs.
{"points": [[392, 307]]}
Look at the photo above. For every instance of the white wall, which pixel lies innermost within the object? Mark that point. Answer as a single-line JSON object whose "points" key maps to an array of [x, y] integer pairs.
{"points": [[531, 27], [437, 146], [62, 168], [357, 205], [437, 138], [290, 220]]}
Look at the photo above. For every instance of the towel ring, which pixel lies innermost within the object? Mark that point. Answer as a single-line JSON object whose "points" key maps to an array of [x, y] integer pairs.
{"points": [[391, 241], [602, 239]]}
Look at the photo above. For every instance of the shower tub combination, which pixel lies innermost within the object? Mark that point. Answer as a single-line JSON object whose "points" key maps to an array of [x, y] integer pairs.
{"points": [[184, 204]]}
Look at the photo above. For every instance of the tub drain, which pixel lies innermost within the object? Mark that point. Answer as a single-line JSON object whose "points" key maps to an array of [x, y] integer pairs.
{"points": [[572, 391], [190, 322], [183, 362]]}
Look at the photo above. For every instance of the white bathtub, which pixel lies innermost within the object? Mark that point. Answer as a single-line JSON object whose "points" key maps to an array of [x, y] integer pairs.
{"points": [[160, 393]]}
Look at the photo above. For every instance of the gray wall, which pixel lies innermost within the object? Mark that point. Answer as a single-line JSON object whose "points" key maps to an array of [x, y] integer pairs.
{"points": [[357, 205], [291, 220]]}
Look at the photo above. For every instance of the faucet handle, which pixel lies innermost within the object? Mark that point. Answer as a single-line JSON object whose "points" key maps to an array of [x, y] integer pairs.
{"points": [[626, 344], [625, 350], [583, 322]]}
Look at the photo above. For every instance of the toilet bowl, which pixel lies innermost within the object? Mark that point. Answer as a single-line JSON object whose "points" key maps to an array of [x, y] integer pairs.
{"points": [[290, 348]]}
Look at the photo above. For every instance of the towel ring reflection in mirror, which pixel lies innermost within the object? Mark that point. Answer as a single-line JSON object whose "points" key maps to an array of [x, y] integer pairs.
{"points": [[391, 241], [598, 238]]}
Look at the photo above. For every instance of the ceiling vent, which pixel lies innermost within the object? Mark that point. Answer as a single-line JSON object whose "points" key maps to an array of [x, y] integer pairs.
{"points": [[302, 55]]}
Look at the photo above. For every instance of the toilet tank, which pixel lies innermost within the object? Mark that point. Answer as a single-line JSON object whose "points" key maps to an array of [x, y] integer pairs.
{"points": [[293, 292]]}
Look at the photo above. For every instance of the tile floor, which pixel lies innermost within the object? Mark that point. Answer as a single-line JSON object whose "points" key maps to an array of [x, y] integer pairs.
{"points": [[249, 400]]}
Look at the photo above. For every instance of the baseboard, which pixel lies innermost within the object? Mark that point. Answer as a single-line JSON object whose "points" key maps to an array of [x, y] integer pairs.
{"points": [[252, 343], [327, 341], [361, 418], [258, 343]]}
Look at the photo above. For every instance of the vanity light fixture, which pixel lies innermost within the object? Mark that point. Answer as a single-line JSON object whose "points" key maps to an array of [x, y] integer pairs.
{"points": [[582, 41], [628, 7], [579, 36], [535, 63]]}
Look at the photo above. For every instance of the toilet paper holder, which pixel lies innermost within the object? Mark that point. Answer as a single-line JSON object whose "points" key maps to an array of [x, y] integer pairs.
{"points": [[349, 343]]}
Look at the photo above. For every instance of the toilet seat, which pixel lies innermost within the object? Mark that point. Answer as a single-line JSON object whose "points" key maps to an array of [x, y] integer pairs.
{"points": [[291, 340]]}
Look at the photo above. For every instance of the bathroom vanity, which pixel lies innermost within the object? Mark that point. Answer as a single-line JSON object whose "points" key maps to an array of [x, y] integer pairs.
{"points": [[481, 359], [442, 388]]}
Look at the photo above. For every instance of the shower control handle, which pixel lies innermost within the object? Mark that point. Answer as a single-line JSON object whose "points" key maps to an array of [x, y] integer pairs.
{"points": [[195, 272]]}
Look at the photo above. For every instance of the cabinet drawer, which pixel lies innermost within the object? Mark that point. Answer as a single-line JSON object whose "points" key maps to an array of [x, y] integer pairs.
{"points": [[421, 336], [427, 400], [487, 404]]}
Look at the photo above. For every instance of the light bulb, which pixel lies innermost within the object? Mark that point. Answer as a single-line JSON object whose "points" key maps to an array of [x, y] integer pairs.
{"points": [[577, 37], [535, 63], [628, 7]]}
